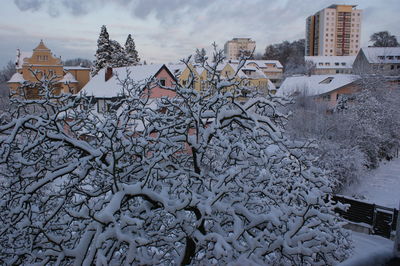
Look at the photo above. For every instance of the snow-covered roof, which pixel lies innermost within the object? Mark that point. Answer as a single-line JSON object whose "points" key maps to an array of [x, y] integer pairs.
{"points": [[68, 78], [16, 78], [98, 87], [315, 84], [260, 63], [263, 63], [378, 55], [331, 62], [76, 68], [271, 85], [176, 69], [19, 61]]}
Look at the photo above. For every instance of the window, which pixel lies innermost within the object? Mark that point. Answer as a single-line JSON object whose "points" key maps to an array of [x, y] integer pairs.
{"points": [[327, 80], [42, 57], [336, 63], [162, 82], [327, 64], [390, 57], [392, 67], [326, 97]]}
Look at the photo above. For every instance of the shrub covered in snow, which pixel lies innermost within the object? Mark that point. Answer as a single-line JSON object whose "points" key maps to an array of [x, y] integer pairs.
{"points": [[201, 179]]}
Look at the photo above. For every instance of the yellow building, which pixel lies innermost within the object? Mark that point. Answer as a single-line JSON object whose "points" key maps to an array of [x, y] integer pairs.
{"points": [[185, 76], [41, 64], [250, 77]]}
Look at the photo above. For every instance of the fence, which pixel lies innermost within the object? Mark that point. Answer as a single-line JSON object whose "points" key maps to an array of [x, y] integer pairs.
{"points": [[381, 219]]}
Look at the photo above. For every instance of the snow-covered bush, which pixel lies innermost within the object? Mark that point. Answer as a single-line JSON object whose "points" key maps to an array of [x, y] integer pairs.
{"points": [[342, 161], [202, 179]]}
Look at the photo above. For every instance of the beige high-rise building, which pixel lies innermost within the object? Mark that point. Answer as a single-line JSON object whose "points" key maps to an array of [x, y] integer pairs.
{"points": [[233, 49], [334, 31]]}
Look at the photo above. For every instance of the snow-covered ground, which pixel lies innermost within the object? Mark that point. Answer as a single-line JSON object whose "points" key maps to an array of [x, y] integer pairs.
{"points": [[369, 250], [380, 186]]}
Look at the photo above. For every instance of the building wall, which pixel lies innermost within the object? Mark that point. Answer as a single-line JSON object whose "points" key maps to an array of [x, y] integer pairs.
{"points": [[332, 97], [184, 77], [157, 91], [334, 31], [82, 76], [233, 47]]}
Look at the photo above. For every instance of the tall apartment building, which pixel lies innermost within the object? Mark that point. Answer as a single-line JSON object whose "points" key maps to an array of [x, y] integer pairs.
{"points": [[234, 48], [334, 31]]}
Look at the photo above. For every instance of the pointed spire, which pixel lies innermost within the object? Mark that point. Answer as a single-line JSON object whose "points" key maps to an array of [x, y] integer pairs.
{"points": [[41, 46]]}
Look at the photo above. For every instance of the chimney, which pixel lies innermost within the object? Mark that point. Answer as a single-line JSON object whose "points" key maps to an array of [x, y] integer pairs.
{"points": [[109, 73]]}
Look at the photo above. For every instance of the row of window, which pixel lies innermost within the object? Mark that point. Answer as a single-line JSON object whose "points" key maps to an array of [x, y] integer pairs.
{"points": [[389, 57], [42, 58], [328, 63]]}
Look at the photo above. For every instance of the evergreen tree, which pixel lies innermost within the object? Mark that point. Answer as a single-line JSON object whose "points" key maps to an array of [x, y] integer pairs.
{"points": [[200, 55], [119, 57], [132, 56], [104, 51]]}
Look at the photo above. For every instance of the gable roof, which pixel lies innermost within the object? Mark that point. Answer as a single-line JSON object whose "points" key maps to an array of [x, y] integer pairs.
{"points": [[315, 84], [379, 55], [99, 88], [16, 78]]}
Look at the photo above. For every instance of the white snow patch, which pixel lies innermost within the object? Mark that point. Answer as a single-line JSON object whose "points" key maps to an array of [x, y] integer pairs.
{"points": [[381, 186], [369, 250]]}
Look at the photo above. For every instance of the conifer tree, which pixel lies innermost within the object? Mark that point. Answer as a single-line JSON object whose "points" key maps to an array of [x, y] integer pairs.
{"points": [[132, 56], [119, 57], [104, 51]]}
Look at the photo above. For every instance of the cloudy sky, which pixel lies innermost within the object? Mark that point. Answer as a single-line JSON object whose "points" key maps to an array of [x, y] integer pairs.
{"points": [[168, 30]]}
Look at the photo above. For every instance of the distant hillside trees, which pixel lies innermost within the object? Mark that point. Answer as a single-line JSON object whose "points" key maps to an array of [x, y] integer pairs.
{"points": [[78, 62], [111, 53], [384, 39], [290, 54]]}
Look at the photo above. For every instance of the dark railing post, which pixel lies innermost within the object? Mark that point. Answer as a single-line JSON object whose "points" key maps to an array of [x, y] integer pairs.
{"points": [[396, 249]]}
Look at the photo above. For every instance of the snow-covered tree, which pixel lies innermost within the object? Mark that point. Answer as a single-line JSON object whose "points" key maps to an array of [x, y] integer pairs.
{"points": [[200, 55], [199, 179], [384, 39], [118, 56], [334, 152], [104, 51], [132, 55]]}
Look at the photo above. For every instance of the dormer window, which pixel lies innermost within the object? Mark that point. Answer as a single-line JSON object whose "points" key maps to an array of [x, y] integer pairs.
{"points": [[327, 80]]}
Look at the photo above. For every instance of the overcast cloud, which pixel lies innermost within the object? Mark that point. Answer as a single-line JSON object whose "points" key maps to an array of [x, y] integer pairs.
{"points": [[168, 30]]}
